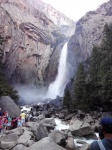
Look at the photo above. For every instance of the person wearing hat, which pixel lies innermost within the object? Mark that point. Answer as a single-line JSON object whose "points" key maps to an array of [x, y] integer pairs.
{"points": [[106, 142]]}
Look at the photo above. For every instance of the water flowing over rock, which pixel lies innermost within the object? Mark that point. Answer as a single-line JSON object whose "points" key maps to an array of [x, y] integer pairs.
{"points": [[32, 36], [57, 87]]}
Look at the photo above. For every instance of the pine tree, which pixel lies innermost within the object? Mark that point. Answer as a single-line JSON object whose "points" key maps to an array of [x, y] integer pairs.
{"points": [[67, 100], [80, 95], [94, 83], [100, 81], [106, 66]]}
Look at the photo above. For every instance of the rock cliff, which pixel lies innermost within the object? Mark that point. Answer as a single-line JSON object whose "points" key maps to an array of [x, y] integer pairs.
{"points": [[32, 37], [88, 33]]}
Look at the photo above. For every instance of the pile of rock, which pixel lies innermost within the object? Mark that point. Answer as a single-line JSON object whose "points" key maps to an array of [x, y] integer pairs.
{"points": [[41, 134]]}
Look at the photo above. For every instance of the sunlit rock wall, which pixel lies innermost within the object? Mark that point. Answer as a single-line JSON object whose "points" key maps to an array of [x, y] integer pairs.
{"points": [[31, 39]]}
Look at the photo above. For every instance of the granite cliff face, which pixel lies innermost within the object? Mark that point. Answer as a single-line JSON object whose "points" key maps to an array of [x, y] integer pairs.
{"points": [[88, 33], [60, 20], [32, 37]]}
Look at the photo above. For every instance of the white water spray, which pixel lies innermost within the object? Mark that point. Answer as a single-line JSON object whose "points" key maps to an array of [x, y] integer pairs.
{"points": [[57, 87]]}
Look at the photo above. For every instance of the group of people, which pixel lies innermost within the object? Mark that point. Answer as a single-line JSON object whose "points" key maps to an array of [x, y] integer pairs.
{"points": [[7, 122]]}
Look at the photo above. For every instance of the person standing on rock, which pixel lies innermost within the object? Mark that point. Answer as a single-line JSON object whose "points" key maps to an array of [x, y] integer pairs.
{"points": [[31, 115], [23, 115], [106, 141], [9, 123]]}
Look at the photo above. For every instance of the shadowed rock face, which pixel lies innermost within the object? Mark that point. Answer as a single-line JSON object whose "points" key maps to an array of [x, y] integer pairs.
{"points": [[88, 33], [32, 37]]}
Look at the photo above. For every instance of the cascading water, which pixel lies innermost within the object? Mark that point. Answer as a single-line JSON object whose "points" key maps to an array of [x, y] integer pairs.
{"points": [[57, 87]]}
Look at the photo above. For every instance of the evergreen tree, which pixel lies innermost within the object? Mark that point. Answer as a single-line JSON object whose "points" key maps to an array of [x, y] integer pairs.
{"points": [[80, 95], [100, 81], [67, 99], [94, 82], [106, 66]]}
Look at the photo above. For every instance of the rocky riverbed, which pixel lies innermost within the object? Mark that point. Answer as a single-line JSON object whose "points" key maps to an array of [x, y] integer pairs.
{"points": [[53, 128]]}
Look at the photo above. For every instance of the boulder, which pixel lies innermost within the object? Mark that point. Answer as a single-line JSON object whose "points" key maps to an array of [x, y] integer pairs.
{"points": [[39, 118], [49, 121], [68, 117], [70, 144], [17, 131], [7, 145], [46, 144], [80, 128], [26, 138], [80, 114], [39, 130], [58, 137], [85, 146], [7, 104], [9, 137], [88, 119], [73, 120], [19, 147]]}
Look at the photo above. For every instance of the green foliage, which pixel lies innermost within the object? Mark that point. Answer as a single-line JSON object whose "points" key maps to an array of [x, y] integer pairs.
{"points": [[5, 88], [67, 100], [100, 79], [80, 100], [93, 87]]}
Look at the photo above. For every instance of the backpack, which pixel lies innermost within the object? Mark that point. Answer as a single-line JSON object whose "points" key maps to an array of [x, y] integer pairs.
{"points": [[101, 145]]}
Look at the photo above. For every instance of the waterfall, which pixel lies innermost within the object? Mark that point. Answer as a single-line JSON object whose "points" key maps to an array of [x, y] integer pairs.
{"points": [[57, 87]]}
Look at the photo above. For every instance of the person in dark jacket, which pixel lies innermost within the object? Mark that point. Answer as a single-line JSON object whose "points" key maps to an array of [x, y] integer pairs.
{"points": [[106, 142]]}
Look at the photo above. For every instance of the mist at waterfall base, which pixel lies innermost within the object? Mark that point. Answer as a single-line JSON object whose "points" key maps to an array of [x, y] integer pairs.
{"points": [[57, 87], [30, 94]]}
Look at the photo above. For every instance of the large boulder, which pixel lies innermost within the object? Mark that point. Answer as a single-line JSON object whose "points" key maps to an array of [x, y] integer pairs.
{"points": [[7, 104], [9, 138], [70, 143], [39, 130], [80, 128], [26, 138], [46, 144], [16, 131], [58, 137]]}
